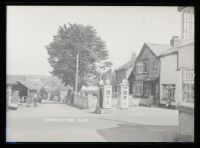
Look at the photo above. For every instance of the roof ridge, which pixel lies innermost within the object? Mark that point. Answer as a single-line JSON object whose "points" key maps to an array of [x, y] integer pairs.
{"points": [[156, 43], [128, 62]]}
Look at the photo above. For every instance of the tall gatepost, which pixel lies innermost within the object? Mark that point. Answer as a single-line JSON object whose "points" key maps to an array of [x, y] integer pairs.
{"points": [[124, 95], [107, 95]]}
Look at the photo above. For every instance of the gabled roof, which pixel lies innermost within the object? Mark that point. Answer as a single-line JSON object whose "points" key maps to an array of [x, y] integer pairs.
{"points": [[29, 85], [129, 71], [127, 65], [169, 51], [158, 48]]}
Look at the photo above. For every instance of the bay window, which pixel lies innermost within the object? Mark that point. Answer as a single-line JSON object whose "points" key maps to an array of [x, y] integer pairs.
{"points": [[188, 23], [188, 85]]}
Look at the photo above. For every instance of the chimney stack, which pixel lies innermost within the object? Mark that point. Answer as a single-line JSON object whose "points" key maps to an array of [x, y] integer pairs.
{"points": [[174, 41]]}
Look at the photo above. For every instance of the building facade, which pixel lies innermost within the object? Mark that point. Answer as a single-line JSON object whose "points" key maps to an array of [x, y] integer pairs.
{"points": [[186, 68], [123, 73], [170, 90], [146, 72]]}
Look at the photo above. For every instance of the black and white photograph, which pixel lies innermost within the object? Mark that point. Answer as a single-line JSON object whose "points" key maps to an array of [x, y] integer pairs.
{"points": [[100, 73]]}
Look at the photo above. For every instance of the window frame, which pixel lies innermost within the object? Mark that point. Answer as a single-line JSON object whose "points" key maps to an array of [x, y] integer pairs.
{"points": [[188, 23], [167, 89], [141, 67], [187, 83]]}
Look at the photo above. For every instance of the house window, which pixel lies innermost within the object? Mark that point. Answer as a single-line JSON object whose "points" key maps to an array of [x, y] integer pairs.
{"points": [[188, 23], [169, 91], [145, 67], [141, 67], [139, 87], [154, 65], [188, 85]]}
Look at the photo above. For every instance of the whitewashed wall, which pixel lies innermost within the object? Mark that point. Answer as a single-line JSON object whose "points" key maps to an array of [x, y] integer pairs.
{"points": [[169, 74], [186, 55]]}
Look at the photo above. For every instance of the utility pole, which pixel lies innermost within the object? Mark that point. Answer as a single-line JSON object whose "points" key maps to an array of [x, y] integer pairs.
{"points": [[76, 83]]}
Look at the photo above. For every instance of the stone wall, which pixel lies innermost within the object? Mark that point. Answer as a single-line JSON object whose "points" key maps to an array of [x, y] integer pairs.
{"points": [[84, 102]]}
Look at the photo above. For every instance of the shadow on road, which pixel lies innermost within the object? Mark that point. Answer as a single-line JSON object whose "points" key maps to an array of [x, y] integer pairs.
{"points": [[139, 133]]}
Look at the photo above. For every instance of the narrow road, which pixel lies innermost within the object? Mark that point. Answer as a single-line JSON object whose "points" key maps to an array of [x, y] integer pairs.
{"points": [[63, 123]]}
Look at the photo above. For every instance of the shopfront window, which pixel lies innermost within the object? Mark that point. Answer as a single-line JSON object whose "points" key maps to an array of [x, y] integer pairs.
{"points": [[188, 85]]}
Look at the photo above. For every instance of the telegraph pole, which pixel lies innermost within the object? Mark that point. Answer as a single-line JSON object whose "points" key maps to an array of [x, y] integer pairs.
{"points": [[76, 83]]}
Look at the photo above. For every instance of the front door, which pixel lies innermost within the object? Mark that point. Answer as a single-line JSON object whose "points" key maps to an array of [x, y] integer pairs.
{"points": [[154, 92]]}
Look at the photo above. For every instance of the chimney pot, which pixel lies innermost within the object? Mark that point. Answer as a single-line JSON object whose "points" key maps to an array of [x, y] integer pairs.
{"points": [[174, 41]]}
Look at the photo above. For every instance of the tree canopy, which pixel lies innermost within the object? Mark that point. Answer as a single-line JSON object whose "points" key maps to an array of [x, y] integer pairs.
{"points": [[70, 41]]}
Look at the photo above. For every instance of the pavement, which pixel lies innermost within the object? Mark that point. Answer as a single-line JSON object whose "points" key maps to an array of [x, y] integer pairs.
{"points": [[63, 123]]}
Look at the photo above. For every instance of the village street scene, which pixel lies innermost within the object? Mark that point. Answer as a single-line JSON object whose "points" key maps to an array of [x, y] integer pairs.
{"points": [[100, 74]]}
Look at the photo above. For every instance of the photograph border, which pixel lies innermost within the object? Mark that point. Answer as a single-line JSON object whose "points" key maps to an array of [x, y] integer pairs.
{"points": [[97, 3]]}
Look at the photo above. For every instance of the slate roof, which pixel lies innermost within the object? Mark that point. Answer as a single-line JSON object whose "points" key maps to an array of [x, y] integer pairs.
{"points": [[158, 48], [24, 80], [127, 65], [169, 51], [27, 84], [128, 73]]}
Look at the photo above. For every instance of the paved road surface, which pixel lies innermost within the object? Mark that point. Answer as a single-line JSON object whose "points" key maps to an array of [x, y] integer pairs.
{"points": [[63, 123]]}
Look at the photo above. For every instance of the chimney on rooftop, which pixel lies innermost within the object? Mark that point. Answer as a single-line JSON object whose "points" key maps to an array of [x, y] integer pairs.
{"points": [[174, 41], [133, 55]]}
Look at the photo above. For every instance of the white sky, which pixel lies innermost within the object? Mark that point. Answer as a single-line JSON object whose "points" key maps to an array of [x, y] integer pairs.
{"points": [[124, 29]]}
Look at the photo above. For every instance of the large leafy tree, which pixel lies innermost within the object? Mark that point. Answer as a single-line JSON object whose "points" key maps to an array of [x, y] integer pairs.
{"points": [[67, 43], [44, 93]]}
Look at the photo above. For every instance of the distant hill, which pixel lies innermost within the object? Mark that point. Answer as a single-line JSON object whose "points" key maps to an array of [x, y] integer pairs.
{"points": [[30, 76]]}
